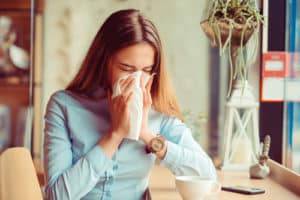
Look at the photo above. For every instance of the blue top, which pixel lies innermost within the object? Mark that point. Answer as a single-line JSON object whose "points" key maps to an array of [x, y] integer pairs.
{"points": [[77, 168]]}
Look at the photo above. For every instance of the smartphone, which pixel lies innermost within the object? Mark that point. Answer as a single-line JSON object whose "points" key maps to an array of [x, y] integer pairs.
{"points": [[243, 189]]}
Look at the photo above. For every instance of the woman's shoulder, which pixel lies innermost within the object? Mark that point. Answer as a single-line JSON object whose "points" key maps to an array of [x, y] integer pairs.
{"points": [[70, 100], [67, 94], [63, 97], [60, 95]]}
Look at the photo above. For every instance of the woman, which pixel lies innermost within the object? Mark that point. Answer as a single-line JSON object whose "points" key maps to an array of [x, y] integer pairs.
{"points": [[86, 153]]}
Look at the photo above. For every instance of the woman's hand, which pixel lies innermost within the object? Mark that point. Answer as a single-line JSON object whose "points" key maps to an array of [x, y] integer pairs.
{"points": [[119, 111], [119, 108], [146, 134]]}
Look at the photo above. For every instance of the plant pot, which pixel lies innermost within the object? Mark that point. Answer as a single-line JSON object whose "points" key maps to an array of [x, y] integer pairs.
{"points": [[224, 30]]}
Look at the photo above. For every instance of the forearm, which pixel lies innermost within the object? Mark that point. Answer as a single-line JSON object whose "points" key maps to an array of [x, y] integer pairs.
{"points": [[184, 161], [78, 179], [184, 155]]}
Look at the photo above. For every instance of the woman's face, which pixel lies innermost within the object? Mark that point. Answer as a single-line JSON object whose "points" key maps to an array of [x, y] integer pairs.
{"points": [[131, 59]]}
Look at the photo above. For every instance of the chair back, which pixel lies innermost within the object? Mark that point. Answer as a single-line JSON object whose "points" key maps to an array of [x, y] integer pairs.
{"points": [[18, 178]]}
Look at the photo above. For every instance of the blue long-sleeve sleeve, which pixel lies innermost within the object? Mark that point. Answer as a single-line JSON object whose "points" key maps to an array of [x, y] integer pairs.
{"points": [[184, 156], [65, 179]]}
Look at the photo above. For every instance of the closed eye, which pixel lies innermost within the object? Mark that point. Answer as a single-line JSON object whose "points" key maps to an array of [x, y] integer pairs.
{"points": [[147, 69], [131, 68], [126, 68]]}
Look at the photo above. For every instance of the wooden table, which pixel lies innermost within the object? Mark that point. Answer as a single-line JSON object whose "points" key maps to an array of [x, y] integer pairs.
{"points": [[162, 186]]}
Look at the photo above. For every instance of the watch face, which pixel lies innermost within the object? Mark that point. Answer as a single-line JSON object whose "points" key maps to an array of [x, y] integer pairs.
{"points": [[157, 144]]}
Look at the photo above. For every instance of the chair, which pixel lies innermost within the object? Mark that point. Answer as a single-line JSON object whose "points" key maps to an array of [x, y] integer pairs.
{"points": [[18, 179]]}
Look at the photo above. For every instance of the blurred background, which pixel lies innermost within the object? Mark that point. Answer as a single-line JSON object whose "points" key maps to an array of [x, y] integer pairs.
{"points": [[43, 42]]}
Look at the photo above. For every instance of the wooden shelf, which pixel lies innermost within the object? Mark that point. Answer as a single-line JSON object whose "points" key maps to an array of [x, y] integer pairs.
{"points": [[16, 92], [13, 86], [22, 5], [14, 95], [13, 81]]}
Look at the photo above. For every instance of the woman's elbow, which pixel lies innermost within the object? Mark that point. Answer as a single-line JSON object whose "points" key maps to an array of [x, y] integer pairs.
{"points": [[211, 170], [54, 192]]}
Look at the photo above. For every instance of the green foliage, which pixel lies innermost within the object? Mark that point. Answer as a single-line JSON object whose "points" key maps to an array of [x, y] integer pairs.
{"points": [[196, 123]]}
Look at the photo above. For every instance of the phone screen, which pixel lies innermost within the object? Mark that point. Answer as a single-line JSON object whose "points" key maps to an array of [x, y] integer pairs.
{"points": [[243, 189]]}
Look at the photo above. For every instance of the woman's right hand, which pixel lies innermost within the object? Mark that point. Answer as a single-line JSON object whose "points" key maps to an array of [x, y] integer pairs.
{"points": [[119, 112], [119, 108]]}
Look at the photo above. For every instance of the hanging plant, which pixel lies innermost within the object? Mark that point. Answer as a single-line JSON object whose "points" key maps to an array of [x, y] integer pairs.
{"points": [[230, 25]]}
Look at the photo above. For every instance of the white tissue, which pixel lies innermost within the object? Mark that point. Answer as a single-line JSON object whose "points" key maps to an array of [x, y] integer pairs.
{"points": [[136, 104]]}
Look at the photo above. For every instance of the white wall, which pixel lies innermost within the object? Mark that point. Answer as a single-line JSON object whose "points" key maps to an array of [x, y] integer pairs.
{"points": [[70, 25]]}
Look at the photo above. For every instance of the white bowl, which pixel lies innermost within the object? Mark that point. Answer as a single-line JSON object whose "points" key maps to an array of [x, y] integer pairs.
{"points": [[195, 187]]}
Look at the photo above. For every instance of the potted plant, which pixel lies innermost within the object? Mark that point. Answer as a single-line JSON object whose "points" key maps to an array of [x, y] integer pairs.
{"points": [[229, 25], [233, 26]]}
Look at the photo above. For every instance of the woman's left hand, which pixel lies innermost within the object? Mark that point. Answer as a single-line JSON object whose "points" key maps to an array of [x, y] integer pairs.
{"points": [[146, 134]]}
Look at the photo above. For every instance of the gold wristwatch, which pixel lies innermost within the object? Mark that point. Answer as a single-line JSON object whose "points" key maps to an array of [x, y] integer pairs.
{"points": [[156, 144]]}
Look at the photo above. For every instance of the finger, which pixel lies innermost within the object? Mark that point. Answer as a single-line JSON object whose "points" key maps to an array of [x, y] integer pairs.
{"points": [[149, 98], [117, 103], [144, 92], [149, 84], [126, 82], [121, 82], [142, 80], [128, 99], [128, 89]]}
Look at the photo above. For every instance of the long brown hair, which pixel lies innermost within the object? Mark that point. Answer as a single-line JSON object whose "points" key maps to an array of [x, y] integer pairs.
{"points": [[122, 29]]}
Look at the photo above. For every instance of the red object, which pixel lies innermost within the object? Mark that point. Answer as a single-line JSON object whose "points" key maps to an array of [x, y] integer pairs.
{"points": [[275, 67], [276, 64]]}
